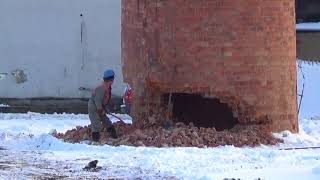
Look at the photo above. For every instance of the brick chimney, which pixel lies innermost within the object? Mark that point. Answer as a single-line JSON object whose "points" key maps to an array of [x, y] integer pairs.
{"points": [[214, 63]]}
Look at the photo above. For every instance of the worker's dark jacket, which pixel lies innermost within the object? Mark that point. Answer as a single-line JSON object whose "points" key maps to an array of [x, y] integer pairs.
{"points": [[98, 102]]}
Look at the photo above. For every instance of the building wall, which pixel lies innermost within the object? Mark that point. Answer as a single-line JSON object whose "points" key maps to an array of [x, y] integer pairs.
{"points": [[307, 45], [241, 52], [307, 11], [58, 50]]}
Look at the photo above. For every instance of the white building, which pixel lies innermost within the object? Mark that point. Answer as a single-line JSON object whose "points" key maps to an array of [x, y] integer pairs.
{"points": [[47, 49]]}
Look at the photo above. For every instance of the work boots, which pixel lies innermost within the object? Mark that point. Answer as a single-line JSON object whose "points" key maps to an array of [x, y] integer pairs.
{"points": [[113, 132], [95, 136]]}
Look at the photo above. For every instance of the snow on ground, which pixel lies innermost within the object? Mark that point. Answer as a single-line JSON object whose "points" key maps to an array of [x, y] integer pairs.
{"points": [[29, 152], [4, 105]]}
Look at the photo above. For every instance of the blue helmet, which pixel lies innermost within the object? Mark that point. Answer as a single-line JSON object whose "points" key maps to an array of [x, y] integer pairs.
{"points": [[108, 74]]}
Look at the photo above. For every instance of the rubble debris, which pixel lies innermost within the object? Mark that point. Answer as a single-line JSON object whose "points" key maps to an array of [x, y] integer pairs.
{"points": [[179, 135]]}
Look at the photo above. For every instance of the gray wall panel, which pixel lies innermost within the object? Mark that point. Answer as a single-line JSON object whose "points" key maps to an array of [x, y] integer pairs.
{"points": [[43, 38]]}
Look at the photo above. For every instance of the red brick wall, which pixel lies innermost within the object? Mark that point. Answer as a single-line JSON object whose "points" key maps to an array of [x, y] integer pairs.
{"points": [[240, 51]]}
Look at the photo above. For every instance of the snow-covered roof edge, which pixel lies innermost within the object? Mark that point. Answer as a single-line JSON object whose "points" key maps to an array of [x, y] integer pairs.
{"points": [[308, 26]]}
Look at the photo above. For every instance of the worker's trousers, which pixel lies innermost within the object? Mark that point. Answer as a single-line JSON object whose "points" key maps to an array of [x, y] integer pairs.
{"points": [[97, 122]]}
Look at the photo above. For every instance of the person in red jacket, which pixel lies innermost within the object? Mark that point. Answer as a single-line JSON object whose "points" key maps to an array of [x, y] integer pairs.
{"points": [[127, 99]]}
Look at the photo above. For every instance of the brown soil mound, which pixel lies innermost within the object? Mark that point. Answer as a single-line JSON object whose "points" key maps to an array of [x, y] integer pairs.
{"points": [[177, 135]]}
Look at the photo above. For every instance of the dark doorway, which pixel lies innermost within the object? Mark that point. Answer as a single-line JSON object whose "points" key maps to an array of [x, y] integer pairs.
{"points": [[202, 112]]}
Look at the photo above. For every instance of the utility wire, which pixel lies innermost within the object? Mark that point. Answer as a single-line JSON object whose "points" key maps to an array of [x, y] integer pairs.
{"points": [[303, 85]]}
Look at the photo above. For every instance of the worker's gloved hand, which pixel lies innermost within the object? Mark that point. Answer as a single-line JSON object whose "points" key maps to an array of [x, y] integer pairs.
{"points": [[101, 113]]}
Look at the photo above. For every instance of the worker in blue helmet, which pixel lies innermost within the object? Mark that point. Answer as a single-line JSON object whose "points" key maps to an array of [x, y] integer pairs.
{"points": [[97, 107]]}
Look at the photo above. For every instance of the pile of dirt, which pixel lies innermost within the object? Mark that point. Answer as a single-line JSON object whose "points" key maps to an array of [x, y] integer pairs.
{"points": [[177, 135]]}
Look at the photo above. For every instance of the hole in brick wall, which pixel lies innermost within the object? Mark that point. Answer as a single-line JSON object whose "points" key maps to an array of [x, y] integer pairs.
{"points": [[202, 112]]}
